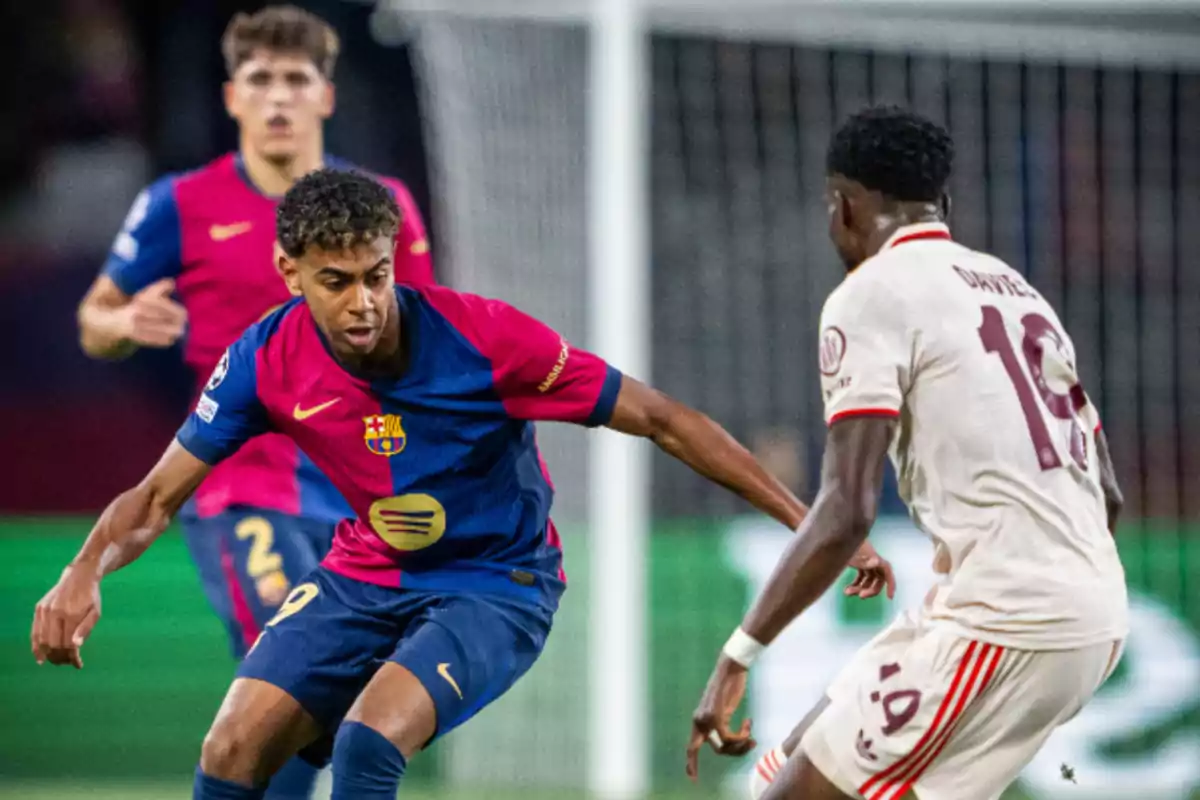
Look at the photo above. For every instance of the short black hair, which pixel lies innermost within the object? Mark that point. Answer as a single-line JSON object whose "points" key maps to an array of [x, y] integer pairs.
{"points": [[334, 209], [894, 151]]}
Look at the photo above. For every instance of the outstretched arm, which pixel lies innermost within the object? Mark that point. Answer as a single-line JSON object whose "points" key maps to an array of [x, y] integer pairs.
{"points": [[705, 446], [840, 519], [835, 527], [66, 615], [226, 415], [540, 376], [137, 517]]}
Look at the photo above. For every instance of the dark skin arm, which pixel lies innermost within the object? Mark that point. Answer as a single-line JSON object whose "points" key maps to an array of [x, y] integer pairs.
{"points": [[64, 618], [704, 446], [841, 518], [836, 527], [707, 448], [1113, 500]]}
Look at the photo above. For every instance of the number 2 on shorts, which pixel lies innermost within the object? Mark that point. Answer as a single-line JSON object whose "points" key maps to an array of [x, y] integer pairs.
{"points": [[261, 535], [995, 339]]}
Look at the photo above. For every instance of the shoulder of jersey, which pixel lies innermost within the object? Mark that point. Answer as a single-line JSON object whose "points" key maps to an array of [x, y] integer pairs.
{"points": [[169, 181], [470, 316], [884, 260], [218, 170], [882, 278], [443, 299], [876, 270], [892, 267], [273, 321], [161, 192]]}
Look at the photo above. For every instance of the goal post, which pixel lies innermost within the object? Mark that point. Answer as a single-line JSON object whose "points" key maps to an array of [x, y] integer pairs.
{"points": [[532, 112], [619, 476]]}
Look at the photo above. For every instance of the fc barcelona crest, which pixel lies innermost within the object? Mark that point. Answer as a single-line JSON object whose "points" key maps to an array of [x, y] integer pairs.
{"points": [[384, 435]]}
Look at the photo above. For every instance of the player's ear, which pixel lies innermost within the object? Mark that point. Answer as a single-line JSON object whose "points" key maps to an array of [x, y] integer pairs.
{"points": [[287, 270], [843, 209], [945, 205], [329, 100], [227, 92]]}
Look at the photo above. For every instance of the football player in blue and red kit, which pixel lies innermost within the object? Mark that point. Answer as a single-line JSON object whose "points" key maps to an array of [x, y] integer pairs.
{"points": [[419, 404]]}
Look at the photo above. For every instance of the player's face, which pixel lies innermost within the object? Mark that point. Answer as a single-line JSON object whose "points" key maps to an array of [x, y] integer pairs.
{"points": [[349, 293], [280, 101]]}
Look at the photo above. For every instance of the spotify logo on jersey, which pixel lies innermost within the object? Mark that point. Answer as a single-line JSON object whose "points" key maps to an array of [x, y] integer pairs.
{"points": [[409, 521]]}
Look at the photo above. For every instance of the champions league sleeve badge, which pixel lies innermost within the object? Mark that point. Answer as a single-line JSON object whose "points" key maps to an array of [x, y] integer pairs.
{"points": [[218, 374]]}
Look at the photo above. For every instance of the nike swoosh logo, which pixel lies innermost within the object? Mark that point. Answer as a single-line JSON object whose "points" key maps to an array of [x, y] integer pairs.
{"points": [[220, 233], [444, 671], [302, 414]]}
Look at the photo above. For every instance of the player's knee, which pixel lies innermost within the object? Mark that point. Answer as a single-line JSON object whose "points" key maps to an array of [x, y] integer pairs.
{"points": [[230, 752], [405, 732], [362, 742], [398, 707]]}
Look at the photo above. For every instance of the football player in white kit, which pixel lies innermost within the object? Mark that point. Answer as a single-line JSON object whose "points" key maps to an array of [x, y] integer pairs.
{"points": [[948, 361]]}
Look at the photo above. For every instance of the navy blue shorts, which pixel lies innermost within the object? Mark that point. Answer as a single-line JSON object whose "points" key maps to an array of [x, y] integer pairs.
{"points": [[249, 559], [334, 632]]}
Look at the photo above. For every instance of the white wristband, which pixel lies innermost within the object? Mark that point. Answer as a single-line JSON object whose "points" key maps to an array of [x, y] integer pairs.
{"points": [[742, 648]]}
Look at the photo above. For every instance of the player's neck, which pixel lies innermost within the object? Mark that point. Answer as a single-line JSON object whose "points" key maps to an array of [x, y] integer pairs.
{"points": [[900, 216], [274, 178]]}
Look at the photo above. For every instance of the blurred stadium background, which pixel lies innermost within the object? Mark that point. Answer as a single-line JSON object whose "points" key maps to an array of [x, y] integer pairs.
{"points": [[1078, 132]]}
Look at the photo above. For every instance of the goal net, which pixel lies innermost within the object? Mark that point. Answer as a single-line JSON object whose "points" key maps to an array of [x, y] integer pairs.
{"points": [[1078, 162]]}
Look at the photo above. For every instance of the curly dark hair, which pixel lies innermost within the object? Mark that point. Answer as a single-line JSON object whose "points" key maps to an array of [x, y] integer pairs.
{"points": [[280, 29], [334, 209], [896, 152]]}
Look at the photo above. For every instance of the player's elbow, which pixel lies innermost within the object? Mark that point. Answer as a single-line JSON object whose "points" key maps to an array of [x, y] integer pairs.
{"points": [[94, 347], [855, 508], [1113, 496], [158, 504], [93, 337], [654, 416], [1113, 503]]}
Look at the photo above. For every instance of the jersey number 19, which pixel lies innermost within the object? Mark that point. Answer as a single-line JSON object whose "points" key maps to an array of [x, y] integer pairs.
{"points": [[994, 336]]}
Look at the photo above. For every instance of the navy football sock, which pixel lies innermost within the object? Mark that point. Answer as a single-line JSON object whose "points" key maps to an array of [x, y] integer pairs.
{"points": [[206, 788], [366, 766], [293, 782]]}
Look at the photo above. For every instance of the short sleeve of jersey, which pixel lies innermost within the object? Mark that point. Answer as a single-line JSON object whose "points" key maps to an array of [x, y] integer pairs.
{"points": [[539, 375], [228, 412], [147, 248], [865, 352]]}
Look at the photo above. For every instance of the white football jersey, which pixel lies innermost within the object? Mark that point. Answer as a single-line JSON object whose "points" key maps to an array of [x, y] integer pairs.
{"points": [[995, 445]]}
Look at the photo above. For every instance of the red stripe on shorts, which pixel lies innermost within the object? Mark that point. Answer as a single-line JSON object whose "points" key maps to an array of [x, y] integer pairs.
{"points": [[909, 775], [242, 614], [997, 652], [887, 774]]}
